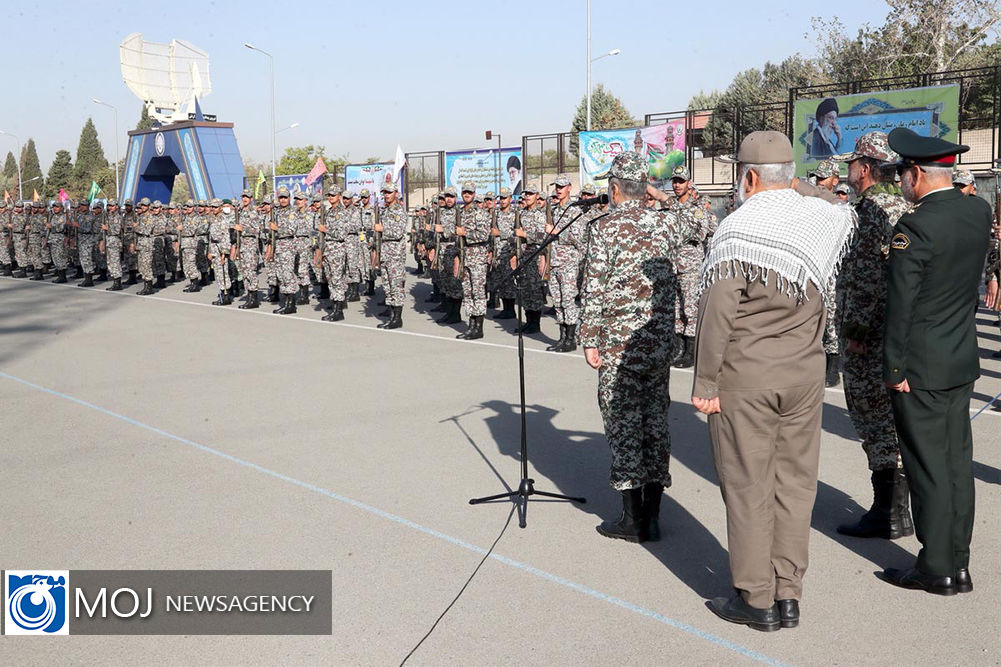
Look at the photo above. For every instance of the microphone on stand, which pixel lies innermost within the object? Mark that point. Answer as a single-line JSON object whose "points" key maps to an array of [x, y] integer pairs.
{"points": [[591, 201]]}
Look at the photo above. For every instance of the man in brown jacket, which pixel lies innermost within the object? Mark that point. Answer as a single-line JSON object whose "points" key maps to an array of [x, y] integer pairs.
{"points": [[759, 373]]}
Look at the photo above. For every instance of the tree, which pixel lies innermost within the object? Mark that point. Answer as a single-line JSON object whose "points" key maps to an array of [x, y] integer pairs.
{"points": [[10, 166], [607, 113], [90, 160], [145, 120], [60, 174], [30, 168], [299, 159]]}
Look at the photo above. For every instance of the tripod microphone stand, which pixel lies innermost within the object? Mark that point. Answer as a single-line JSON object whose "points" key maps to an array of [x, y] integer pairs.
{"points": [[526, 488]]}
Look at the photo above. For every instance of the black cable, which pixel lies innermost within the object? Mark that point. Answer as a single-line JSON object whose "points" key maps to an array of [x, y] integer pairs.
{"points": [[462, 590]]}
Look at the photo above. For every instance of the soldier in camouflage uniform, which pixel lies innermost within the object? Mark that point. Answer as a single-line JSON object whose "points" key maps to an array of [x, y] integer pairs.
{"points": [[158, 221], [826, 175], [6, 247], [188, 246], [111, 229], [532, 231], [567, 250], [87, 226], [367, 211], [352, 225], [219, 247], [144, 246], [171, 243], [503, 231], [129, 258], [336, 240], [248, 232], [627, 332], [284, 226], [473, 233], [862, 294], [448, 278], [19, 237], [431, 238], [202, 247], [392, 226], [36, 236], [303, 246], [56, 231]]}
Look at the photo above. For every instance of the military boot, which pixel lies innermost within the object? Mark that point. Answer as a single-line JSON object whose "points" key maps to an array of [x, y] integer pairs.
{"points": [[302, 296], [571, 340], [453, 314], [687, 358], [147, 288], [352, 294], [88, 280], [224, 299], [558, 345], [178, 277], [387, 311], [370, 288], [470, 327], [900, 515], [435, 296], [5, 270], [102, 276], [132, 278], [239, 289], [60, 276], [19, 273], [273, 293], [508, 312], [288, 304], [396, 321], [477, 331], [885, 519], [652, 493], [492, 301], [532, 323], [631, 524], [832, 376], [281, 304], [253, 301], [116, 285], [193, 286], [160, 282], [37, 275], [79, 273], [336, 314]]}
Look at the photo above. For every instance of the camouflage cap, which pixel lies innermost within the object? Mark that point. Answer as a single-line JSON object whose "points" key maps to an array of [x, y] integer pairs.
{"points": [[129, 202], [490, 195], [95, 204], [389, 187], [681, 172], [316, 198], [268, 199], [247, 193], [364, 193], [157, 203], [347, 194], [588, 189], [216, 202], [874, 145], [529, 189], [299, 194], [842, 188], [112, 202], [561, 181], [144, 201], [963, 177], [82, 202], [189, 203], [449, 191], [825, 169], [505, 192], [202, 203], [629, 166], [478, 198], [333, 191], [469, 186], [37, 204], [283, 191], [56, 202]]}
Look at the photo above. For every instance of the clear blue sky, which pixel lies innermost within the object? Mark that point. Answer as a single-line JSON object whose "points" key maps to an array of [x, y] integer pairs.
{"points": [[361, 77]]}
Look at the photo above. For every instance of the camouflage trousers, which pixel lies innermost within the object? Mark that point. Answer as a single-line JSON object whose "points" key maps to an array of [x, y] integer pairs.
{"points": [[394, 275], [498, 280], [170, 255], [271, 271], [159, 258], [335, 266], [37, 251], [474, 281], [304, 252], [189, 261], [563, 285], [450, 283], [634, 409], [5, 250], [365, 269], [60, 254], [99, 258], [870, 408], [113, 252], [831, 343], [220, 262], [130, 259], [250, 260], [201, 256], [354, 260], [21, 249], [687, 303], [144, 250], [285, 252], [531, 292], [85, 244]]}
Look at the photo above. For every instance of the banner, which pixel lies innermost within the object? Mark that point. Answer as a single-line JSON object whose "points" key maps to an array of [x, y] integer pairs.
{"points": [[662, 145], [482, 168], [829, 126], [371, 176], [297, 183]]}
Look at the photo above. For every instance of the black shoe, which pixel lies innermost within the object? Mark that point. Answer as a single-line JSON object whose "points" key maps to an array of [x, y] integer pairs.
{"points": [[193, 286], [493, 302], [160, 282], [687, 357], [302, 297], [735, 610], [205, 280], [532, 325], [224, 299], [630, 525], [60, 276], [964, 584], [273, 293], [337, 314], [352, 294], [18, 274], [916, 580], [559, 344], [788, 612], [469, 328], [652, 494], [832, 376], [88, 280], [570, 341], [253, 301], [37, 275], [508, 312], [116, 285], [147, 288], [132, 278], [396, 321], [889, 517]]}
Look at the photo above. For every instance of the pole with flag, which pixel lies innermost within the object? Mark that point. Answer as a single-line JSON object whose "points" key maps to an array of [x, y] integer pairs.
{"points": [[34, 194], [95, 190], [399, 164], [318, 170], [63, 196], [260, 181]]}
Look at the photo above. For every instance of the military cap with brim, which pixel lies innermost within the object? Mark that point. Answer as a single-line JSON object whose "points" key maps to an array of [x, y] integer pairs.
{"points": [[246, 193], [681, 172], [449, 191], [915, 150], [561, 181], [333, 191], [505, 192], [388, 187], [873, 145], [364, 193], [842, 188], [588, 189], [825, 169], [268, 199], [628, 166], [529, 190], [299, 195], [469, 186], [762, 147], [963, 177], [347, 194], [489, 194]]}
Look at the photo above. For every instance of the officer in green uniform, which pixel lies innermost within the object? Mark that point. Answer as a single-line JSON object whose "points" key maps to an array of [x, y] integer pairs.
{"points": [[931, 357]]}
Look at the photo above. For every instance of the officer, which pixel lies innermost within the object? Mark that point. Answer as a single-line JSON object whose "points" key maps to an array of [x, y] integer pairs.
{"points": [[931, 357]]}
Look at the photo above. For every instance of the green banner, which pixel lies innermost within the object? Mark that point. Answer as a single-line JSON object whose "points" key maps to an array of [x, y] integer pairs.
{"points": [[829, 126]]}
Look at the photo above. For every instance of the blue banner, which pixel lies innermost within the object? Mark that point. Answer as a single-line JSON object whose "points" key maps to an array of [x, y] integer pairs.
{"points": [[483, 168], [297, 183]]}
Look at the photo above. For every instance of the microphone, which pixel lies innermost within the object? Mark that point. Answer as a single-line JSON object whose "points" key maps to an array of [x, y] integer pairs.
{"points": [[591, 201]]}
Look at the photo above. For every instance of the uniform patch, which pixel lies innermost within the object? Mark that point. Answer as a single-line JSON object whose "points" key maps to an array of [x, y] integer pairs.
{"points": [[900, 242]]}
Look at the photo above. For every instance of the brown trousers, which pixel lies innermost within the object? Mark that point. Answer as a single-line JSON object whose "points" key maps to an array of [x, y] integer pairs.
{"points": [[766, 445]]}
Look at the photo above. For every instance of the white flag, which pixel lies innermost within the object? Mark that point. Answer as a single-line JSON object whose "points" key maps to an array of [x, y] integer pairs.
{"points": [[399, 162]]}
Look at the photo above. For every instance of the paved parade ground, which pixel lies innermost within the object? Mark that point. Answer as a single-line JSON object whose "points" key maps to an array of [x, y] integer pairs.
{"points": [[164, 433]]}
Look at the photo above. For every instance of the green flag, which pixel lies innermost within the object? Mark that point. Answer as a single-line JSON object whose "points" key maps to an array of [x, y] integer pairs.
{"points": [[260, 181], [95, 190]]}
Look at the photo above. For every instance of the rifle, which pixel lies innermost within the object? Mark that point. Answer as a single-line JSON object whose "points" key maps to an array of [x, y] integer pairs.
{"points": [[104, 230], [322, 242], [234, 251], [377, 257], [269, 251], [461, 240], [493, 226], [437, 240], [517, 239], [549, 248]]}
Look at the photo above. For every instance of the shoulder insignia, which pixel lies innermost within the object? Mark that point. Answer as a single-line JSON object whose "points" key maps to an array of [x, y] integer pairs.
{"points": [[900, 242]]}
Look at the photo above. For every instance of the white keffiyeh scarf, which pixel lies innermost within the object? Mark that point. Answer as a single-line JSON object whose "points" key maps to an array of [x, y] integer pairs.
{"points": [[800, 239]]}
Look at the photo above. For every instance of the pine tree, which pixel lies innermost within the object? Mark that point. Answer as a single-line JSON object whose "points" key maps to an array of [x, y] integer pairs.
{"points": [[60, 174], [30, 168], [89, 157], [145, 120], [10, 166], [607, 113]]}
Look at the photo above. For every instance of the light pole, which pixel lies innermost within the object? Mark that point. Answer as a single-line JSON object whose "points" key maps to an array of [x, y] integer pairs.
{"points": [[271, 61], [118, 190], [20, 194], [287, 128], [613, 52], [489, 136]]}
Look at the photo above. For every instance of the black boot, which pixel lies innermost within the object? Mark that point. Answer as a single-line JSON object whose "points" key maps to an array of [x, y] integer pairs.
{"points": [[273, 293], [434, 297], [558, 345], [469, 329], [492, 301], [630, 525], [160, 282], [532, 322], [116, 285], [102, 276], [302, 297], [652, 493], [239, 289], [287, 302], [193, 286], [5, 270], [224, 299], [147, 288], [687, 358], [477, 331], [88, 280], [832, 376], [19, 273], [508, 312], [370, 288], [385, 312], [205, 280], [442, 302], [178, 276], [396, 320], [37, 275], [337, 314], [352, 294], [253, 301], [60, 276], [885, 519], [570, 344], [453, 313], [324, 291], [132, 278]]}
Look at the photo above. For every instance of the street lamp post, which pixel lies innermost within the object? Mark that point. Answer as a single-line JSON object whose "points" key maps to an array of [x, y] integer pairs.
{"points": [[118, 190], [613, 52], [271, 61], [20, 193]]}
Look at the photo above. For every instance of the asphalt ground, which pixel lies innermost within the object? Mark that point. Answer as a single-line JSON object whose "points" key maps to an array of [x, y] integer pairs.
{"points": [[164, 433]]}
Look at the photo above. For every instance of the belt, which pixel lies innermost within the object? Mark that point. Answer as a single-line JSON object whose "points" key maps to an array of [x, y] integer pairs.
{"points": [[142, 236], [282, 238], [303, 237], [248, 236], [478, 244], [21, 233]]}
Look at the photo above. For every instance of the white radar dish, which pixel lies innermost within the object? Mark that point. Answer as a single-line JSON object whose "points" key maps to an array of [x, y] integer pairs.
{"points": [[166, 77]]}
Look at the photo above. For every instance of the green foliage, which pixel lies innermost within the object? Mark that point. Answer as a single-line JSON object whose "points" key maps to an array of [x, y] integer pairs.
{"points": [[299, 159], [60, 175], [607, 113], [181, 191], [90, 160], [145, 120], [30, 168], [10, 166]]}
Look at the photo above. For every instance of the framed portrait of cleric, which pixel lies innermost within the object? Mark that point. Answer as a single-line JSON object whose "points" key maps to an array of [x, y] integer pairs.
{"points": [[829, 126]]}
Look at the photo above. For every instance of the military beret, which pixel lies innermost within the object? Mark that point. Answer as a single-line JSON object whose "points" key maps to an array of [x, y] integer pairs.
{"points": [[587, 189], [449, 191], [505, 192], [561, 181], [389, 187], [226, 201], [364, 193], [681, 172], [144, 201], [874, 145], [963, 177], [469, 186], [923, 151]]}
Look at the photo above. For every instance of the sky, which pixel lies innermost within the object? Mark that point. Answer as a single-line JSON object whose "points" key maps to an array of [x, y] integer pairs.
{"points": [[362, 77]]}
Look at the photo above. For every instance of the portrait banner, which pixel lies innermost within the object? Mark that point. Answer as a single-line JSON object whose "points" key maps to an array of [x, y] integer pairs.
{"points": [[483, 168], [663, 146], [371, 177]]}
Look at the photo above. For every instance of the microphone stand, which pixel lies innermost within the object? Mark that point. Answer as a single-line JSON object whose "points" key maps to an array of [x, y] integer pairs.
{"points": [[526, 488]]}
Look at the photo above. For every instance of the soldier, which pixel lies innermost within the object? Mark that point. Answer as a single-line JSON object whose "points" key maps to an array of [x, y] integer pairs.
{"points": [[188, 246], [158, 222], [626, 331], [963, 180], [111, 231], [843, 192], [352, 224], [73, 235], [433, 245], [202, 247], [6, 247], [862, 302], [531, 292], [448, 274], [336, 240], [303, 246], [219, 247], [367, 212], [171, 244], [144, 246], [247, 249], [392, 226], [284, 225], [824, 175], [56, 232], [36, 235], [129, 258], [472, 227], [88, 224], [19, 238], [565, 260], [931, 357], [503, 232]]}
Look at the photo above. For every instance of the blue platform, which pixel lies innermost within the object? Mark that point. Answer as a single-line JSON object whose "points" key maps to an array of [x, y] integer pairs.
{"points": [[205, 152]]}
